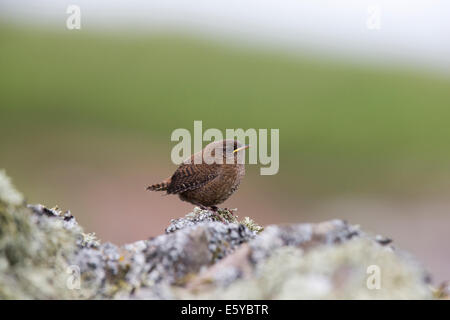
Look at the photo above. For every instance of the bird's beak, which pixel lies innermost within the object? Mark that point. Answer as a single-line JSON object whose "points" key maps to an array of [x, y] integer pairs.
{"points": [[241, 148]]}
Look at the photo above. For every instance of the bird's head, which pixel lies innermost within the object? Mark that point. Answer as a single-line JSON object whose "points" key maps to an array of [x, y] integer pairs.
{"points": [[228, 151]]}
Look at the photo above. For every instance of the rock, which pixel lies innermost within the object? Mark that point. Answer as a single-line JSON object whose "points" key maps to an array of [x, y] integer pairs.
{"points": [[35, 250], [443, 291], [45, 254]]}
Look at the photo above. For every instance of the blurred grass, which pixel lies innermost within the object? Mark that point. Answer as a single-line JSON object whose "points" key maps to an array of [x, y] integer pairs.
{"points": [[341, 126]]}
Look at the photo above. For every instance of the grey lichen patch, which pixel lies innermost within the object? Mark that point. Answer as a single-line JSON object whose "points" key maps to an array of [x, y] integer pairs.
{"points": [[222, 215], [198, 216], [305, 235], [88, 240], [103, 270]]}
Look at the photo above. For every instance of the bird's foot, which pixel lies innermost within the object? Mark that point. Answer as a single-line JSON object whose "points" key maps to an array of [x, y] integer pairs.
{"points": [[217, 214]]}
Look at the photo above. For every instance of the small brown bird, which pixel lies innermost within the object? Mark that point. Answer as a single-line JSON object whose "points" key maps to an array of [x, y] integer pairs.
{"points": [[203, 180]]}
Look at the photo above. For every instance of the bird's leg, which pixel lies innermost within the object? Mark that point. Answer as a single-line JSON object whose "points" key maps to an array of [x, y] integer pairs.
{"points": [[215, 210], [230, 211], [212, 208]]}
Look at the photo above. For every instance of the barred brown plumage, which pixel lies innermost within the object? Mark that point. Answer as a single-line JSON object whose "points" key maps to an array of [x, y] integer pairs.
{"points": [[158, 187], [204, 182]]}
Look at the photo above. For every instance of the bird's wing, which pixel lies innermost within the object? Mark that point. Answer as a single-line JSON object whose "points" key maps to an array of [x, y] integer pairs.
{"points": [[191, 176]]}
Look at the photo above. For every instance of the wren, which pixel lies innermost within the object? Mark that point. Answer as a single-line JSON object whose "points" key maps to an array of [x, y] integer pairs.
{"points": [[204, 181]]}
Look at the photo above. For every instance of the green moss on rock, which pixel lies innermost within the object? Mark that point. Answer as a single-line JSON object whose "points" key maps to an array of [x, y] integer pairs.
{"points": [[34, 251]]}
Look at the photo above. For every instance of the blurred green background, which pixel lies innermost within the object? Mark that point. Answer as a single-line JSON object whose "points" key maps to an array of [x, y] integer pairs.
{"points": [[86, 119]]}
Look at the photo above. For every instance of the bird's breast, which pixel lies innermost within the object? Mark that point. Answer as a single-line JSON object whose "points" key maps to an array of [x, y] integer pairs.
{"points": [[219, 189]]}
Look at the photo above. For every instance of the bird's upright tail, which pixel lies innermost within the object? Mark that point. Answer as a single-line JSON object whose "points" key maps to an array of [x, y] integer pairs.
{"points": [[162, 186]]}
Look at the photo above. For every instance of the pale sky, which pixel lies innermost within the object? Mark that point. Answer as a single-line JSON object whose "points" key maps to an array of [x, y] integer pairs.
{"points": [[414, 32]]}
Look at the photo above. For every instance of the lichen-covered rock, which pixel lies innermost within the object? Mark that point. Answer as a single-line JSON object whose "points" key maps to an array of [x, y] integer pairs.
{"points": [[223, 215], [330, 260], [151, 265], [45, 254], [34, 250], [443, 291]]}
